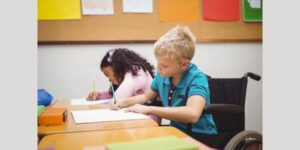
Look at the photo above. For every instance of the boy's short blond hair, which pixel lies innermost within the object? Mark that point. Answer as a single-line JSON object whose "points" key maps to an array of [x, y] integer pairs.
{"points": [[178, 43]]}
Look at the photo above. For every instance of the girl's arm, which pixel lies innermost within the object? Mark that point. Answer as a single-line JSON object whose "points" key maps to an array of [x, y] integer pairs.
{"points": [[99, 95], [131, 84], [105, 94]]}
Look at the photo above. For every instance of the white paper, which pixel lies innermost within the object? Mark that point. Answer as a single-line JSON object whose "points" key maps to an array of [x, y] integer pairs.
{"points": [[137, 6], [104, 115], [83, 101], [255, 3], [97, 7]]}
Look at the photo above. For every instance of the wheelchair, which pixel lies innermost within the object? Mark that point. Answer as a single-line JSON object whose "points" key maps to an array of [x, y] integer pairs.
{"points": [[227, 107], [227, 97]]}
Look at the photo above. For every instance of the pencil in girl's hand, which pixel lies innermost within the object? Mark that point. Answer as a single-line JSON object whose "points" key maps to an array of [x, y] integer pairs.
{"points": [[94, 92], [113, 92]]}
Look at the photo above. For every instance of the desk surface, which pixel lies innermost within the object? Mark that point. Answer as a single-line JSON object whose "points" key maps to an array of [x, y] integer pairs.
{"points": [[70, 126], [97, 139]]}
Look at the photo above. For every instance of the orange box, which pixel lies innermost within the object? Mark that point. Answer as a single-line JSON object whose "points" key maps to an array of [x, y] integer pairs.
{"points": [[53, 116]]}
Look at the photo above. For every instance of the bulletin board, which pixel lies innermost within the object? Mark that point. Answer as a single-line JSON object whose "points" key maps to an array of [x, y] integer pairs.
{"points": [[142, 28]]}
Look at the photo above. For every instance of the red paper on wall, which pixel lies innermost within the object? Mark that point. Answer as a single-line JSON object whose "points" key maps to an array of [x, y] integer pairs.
{"points": [[221, 10]]}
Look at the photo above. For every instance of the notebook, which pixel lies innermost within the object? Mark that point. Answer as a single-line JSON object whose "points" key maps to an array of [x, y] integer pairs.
{"points": [[83, 101], [104, 115], [159, 143]]}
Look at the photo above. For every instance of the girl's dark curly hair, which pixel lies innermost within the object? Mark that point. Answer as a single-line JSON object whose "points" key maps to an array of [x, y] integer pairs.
{"points": [[123, 60]]}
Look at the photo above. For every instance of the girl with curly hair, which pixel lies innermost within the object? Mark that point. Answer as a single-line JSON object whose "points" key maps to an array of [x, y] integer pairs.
{"points": [[129, 73]]}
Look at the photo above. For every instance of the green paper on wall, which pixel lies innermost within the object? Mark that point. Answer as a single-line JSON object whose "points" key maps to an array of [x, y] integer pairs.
{"points": [[252, 10], [160, 143]]}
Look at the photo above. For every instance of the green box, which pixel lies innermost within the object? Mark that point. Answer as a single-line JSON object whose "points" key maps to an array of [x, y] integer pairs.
{"points": [[41, 109]]}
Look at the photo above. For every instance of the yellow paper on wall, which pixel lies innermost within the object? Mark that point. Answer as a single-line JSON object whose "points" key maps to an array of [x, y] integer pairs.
{"points": [[178, 10], [59, 9]]}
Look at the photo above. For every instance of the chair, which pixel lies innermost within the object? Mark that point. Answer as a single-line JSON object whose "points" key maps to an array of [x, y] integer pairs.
{"points": [[228, 109]]}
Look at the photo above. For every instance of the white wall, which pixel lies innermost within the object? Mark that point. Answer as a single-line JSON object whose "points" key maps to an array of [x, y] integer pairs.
{"points": [[67, 71]]}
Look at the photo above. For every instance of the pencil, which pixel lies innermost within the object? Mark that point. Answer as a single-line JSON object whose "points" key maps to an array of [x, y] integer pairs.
{"points": [[113, 92], [94, 92]]}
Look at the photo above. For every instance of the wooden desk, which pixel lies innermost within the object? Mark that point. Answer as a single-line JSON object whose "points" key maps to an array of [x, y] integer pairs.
{"points": [[97, 139], [70, 126]]}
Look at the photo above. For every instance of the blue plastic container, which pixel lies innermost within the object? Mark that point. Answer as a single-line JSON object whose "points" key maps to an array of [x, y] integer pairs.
{"points": [[44, 98]]}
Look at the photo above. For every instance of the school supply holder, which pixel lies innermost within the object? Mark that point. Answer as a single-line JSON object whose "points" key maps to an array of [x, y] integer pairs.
{"points": [[53, 116], [44, 98], [41, 109]]}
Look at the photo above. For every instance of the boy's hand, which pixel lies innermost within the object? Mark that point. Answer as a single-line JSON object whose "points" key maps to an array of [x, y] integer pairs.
{"points": [[138, 108], [93, 96]]}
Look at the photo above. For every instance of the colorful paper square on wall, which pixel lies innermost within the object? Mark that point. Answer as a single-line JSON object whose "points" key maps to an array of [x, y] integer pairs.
{"points": [[178, 10], [59, 9], [252, 10], [221, 10]]}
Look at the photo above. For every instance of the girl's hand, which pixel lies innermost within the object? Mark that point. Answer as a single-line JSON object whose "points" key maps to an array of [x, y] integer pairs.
{"points": [[121, 103], [138, 108], [113, 105], [93, 96]]}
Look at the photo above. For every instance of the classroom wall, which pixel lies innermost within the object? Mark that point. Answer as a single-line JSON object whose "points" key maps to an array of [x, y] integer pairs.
{"points": [[67, 71]]}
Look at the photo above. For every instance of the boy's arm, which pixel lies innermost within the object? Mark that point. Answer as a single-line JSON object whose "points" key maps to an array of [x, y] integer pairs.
{"points": [[189, 113], [138, 99]]}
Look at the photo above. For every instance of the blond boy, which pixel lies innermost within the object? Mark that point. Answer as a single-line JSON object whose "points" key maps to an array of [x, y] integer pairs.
{"points": [[181, 86]]}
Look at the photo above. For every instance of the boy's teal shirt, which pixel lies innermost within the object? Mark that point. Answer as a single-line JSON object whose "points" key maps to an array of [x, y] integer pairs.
{"points": [[193, 82]]}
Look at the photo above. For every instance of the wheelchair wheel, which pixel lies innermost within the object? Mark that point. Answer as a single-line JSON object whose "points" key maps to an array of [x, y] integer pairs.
{"points": [[245, 140]]}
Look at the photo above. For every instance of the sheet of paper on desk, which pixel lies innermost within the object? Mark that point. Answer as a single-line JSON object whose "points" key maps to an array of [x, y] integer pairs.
{"points": [[104, 115], [83, 101]]}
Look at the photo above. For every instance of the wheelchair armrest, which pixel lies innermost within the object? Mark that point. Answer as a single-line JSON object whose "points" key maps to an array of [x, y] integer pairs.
{"points": [[219, 109], [223, 109], [252, 76]]}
